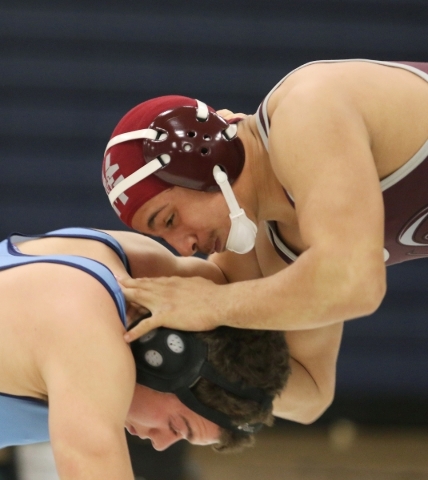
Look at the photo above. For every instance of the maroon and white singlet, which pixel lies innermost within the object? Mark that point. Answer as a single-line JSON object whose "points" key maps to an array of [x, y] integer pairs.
{"points": [[405, 191]]}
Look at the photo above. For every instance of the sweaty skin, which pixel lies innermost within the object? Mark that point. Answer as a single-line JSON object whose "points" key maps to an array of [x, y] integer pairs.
{"points": [[336, 131]]}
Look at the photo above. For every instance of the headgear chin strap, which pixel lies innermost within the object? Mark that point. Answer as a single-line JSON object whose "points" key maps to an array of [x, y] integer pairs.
{"points": [[173, 361], [243, 231]]}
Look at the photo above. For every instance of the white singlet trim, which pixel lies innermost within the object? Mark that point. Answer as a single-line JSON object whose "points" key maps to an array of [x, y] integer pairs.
{"points": [[279, 243], [405, 169], [260, 128]]}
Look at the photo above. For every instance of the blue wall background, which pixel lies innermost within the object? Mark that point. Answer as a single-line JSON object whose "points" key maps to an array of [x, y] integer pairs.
{"points": [[70, 69]]}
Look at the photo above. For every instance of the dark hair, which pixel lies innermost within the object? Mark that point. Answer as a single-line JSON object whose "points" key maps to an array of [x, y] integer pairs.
{"points": [[260, 359]]}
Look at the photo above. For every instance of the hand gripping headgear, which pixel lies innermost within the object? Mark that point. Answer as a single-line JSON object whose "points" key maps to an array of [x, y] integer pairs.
{"points": [[174, 141]]}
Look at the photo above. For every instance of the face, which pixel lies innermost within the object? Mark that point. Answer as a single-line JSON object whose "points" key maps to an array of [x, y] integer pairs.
{"points": [[163, 419], [188, 220]]}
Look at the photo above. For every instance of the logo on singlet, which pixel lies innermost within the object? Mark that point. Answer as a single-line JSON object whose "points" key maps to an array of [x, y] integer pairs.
{"points": [[412, 235]]}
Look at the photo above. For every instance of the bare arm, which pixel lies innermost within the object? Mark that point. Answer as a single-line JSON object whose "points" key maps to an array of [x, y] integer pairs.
{"points": [[89, 375], [332, 177], [237, 268], [313, 354], [311, 385], [148, 258]]}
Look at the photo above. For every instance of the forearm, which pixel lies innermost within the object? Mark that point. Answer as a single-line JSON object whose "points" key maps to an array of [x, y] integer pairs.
{"points": [[318, 290], [314, 292], [196, 267]]}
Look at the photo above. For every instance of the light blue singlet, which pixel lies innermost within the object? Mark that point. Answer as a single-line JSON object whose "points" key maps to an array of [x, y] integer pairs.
{"points": [[24, 420]]}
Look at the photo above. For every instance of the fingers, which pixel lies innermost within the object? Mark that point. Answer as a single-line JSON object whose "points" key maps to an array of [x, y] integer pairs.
{"points": [[133, 290], [145, 326], [225, 113], [131, 282], [135, 293], [134, 312], [228, 114]]}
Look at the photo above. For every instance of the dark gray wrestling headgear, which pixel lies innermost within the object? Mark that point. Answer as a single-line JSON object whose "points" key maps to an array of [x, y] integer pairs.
{"points": [[173, 361]]}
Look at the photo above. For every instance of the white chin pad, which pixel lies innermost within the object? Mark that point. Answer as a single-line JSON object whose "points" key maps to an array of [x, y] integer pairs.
{"points": [[242, 235]]}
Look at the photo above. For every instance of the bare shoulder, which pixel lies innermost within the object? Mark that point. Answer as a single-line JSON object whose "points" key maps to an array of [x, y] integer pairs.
{"points": [[61, 314], [70, 303], [315, 79], [361, 79], [81, 338], [377, 104], [49, 289]]}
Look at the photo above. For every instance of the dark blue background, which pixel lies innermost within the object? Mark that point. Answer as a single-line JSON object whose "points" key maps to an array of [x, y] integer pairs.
{"points": [[70, 69]]}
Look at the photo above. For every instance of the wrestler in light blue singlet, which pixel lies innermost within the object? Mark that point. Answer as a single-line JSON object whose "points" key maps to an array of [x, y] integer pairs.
{"points": [[24, 420]]}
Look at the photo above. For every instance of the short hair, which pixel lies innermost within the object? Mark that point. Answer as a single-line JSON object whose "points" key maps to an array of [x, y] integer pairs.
{"points": [[258, 358]]}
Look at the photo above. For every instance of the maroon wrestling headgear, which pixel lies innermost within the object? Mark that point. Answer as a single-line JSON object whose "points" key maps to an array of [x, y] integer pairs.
{"points": [[164, 142]]}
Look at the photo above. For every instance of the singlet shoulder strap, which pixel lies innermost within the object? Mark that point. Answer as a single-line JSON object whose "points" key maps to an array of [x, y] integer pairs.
{"points": [[279, 245], [86, 233], [12, 257]]}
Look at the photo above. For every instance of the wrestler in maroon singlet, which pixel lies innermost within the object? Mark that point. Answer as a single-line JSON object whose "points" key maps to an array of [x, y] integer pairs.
{"points": [[405, 193]]}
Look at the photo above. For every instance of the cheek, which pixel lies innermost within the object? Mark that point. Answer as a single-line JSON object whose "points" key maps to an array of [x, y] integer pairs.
{"points": [[209, 219], [135, 408], [141, 414], [141, 405], [147, 410]]}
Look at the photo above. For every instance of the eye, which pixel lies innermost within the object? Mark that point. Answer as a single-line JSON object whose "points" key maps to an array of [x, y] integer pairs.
{"points": [[170, 221], [173, 429]]}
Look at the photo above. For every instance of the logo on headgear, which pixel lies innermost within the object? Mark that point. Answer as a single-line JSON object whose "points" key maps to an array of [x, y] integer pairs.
{"points": [[110, 182]]}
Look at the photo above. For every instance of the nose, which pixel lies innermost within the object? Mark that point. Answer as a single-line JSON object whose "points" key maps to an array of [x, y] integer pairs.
{"points": [[186, 246], [161, 440]]}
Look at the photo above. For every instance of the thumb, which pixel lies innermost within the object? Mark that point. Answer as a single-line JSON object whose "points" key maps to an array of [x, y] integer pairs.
{"points": [[139, 328]]}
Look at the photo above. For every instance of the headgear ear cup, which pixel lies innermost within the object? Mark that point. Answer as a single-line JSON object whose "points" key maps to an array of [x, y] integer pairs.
{"points": [[167, 360], [173, 361]]}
